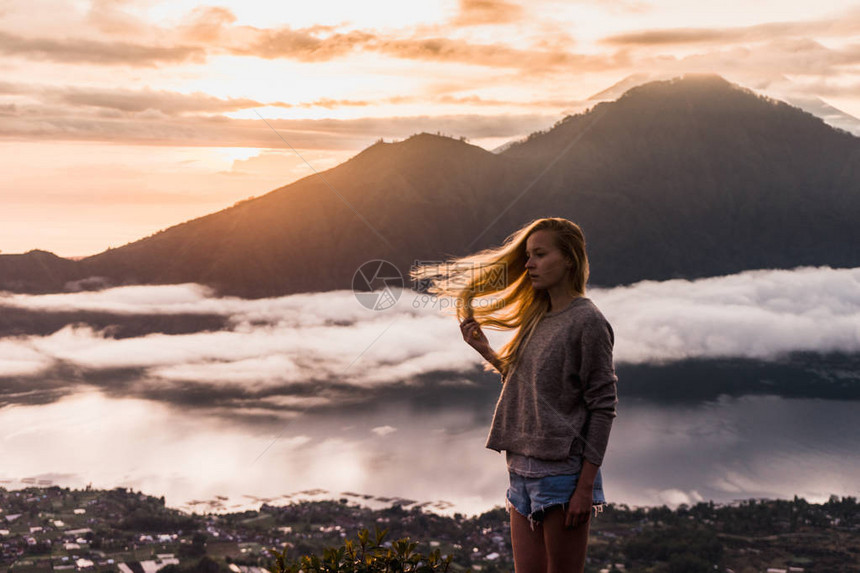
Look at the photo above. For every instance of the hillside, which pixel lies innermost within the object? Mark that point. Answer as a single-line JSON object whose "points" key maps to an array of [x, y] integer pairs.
{"points": [[36, 272], [52, 528], [401, 201], [698, 177]]}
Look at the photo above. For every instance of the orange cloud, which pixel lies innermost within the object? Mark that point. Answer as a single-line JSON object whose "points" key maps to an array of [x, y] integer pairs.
{"points": [[477, 12], [131, 103], [43, 123], [109, 17], [168, 103], [303, 45], [97, 52], [210, 31], [207, 24], [496, 55], [135, 101], [846, 25], [673, 36]]}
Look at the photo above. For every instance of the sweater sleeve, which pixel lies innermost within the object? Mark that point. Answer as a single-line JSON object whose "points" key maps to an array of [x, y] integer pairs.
{"points": [[597, 373]]}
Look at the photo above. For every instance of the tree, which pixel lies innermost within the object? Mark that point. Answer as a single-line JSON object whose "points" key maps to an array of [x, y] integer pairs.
{"points": [[197, 548]]}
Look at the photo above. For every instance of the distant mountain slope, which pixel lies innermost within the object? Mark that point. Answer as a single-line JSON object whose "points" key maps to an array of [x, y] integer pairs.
{"points": [[422, 196], [697, 177], [688, 177], [37, 272], [833, 116]]}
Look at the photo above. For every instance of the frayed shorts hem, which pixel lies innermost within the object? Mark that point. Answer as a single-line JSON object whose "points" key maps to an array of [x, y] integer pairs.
{"points": [[533, 521], [532, 497]]}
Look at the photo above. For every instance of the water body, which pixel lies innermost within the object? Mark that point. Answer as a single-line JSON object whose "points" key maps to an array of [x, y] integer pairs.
{"points": [[424, 445]]}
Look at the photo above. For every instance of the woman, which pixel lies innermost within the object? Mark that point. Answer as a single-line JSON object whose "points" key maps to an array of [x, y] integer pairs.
{"points": [[558, 397]]}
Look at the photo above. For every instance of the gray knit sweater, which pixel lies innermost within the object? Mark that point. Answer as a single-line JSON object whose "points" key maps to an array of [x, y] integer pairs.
{"points": [[559, 399]]}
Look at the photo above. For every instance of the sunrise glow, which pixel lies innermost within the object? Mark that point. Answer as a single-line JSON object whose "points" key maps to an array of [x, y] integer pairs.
{"points": [[121, 118]]}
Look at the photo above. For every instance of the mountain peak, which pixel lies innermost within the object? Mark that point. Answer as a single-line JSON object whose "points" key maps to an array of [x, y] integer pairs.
{"points": [[427, 136], [434, 141], [42, 254], [688, 106], [687, 84], [417, 143]]}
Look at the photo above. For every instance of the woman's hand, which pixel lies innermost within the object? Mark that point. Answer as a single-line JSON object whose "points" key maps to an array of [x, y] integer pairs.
{"points": [[474, 336], [579, 508]]}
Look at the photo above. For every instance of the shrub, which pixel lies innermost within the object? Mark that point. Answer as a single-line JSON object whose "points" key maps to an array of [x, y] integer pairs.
{"points": [[364, 557]]}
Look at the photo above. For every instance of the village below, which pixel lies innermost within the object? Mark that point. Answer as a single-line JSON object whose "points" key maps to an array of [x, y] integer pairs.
{"points": [[55, 529]]}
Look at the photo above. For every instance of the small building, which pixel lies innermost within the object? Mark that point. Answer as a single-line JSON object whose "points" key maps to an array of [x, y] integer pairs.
{"points": [[153, 565]]}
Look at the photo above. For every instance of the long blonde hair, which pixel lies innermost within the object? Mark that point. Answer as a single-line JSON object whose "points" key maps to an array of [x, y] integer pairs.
{"points": [[501, 271]]}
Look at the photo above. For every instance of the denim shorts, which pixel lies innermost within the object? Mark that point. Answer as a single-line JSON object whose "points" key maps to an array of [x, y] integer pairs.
{"points": [[531, 497]]}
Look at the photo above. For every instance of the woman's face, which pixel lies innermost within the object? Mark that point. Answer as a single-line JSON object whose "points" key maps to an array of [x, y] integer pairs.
{"points": [[546, 265]]}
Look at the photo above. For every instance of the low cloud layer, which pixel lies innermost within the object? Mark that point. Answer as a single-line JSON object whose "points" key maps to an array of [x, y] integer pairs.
{"points": [[760, 314], [331, 341]]}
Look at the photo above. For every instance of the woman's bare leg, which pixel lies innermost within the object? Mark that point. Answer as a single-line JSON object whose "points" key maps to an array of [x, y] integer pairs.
{"points": [[565, 548], [528, 545]]}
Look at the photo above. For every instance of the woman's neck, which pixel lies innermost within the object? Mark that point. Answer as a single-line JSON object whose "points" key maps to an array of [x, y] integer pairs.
{"points": [[560, 300]]}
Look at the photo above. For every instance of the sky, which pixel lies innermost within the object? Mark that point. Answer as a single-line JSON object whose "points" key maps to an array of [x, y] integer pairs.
{"points": [[119, 118]]}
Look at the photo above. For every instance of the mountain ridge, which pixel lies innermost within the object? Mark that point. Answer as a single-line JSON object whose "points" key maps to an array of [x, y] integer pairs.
{"points": [[678, 178]]}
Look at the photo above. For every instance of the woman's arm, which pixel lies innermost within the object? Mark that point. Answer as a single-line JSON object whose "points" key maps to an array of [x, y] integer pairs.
{"points": [[587, 475], [579, 508], [493, 358], [601, 393]]}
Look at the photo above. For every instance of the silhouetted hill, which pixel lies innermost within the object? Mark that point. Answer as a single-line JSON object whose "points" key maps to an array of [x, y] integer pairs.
{"points": [[36, 271], [407, 200], [696, 177], [688, 177]]}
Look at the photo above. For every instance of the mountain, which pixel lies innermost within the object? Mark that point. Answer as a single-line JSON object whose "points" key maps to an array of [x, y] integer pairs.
{"points": [[614, 91], [36, 272], [832, 115], [696, 177], [683, 178], [394, 201]]}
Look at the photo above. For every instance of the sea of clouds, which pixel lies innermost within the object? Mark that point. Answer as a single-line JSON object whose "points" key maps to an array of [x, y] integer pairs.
{"points": [[283, 341]]}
